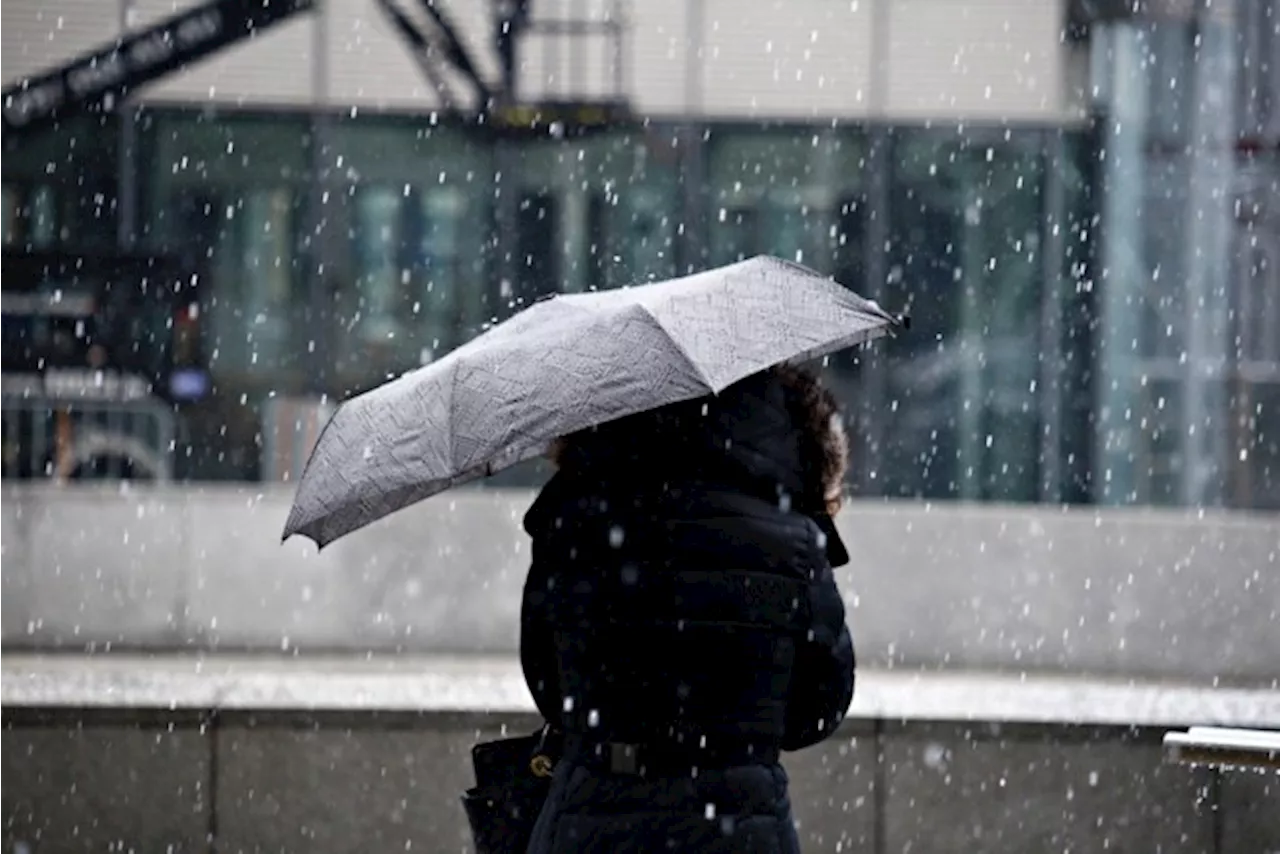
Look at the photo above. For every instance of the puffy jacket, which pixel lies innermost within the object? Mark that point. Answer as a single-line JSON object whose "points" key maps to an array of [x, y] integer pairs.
{"points": [[680, 600]]}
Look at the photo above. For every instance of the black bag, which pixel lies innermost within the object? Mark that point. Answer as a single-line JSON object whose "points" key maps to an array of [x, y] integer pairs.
{"points": [[513, 777]]}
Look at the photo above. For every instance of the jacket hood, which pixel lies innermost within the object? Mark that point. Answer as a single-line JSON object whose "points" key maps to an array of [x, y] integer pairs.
{"points": [[743, 440]]}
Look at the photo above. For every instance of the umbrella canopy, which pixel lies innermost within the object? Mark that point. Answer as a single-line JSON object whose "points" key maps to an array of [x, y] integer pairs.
{"points": [[564, 364]]}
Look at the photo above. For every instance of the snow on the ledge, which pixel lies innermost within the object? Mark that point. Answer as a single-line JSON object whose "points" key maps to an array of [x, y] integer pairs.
{"points": [[495, 685]]}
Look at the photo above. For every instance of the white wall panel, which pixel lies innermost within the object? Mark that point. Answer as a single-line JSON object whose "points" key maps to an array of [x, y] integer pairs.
{"points": [[998, 59], [555, 66], [146, 13], [658, 55], [41, 34], [940, 59], [793, 58], [371, 65], [273, 67]]}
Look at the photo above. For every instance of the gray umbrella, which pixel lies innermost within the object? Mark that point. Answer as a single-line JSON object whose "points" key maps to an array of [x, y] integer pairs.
{"points": [[561, 365]]}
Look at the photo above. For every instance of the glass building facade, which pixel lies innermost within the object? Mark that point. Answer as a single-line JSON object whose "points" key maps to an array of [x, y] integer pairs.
{"points": [[1095, 309], [1188, 106]]}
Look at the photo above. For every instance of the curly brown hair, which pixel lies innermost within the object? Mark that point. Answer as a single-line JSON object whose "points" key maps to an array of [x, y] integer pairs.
{"points": [[824, 443], [824, 446]]}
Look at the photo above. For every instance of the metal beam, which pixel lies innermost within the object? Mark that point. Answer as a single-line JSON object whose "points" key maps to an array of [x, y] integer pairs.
{"points": [[455, 52], [97, 81], [422, 49]]}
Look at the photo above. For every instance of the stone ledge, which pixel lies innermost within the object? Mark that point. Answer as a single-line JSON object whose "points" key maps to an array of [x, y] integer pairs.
{"points": [[1115, 593], [449, 684]]}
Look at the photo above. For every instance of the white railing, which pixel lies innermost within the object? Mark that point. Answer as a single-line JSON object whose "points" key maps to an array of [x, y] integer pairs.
{"points": [[1221, 747], [46, 438]]}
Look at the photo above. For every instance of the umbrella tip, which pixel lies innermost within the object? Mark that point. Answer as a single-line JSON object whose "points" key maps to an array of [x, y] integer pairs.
{"points": [[320, 544], [904, 320]]}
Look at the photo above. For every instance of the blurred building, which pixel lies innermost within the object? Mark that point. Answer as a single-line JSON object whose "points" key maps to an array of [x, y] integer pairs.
{"points": [[1077, 201]]}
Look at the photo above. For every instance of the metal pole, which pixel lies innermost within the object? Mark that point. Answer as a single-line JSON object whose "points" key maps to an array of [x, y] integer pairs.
{"points": [[970, 420], [1052, 369], [1117, 438], [870, 438], [1210, 179], [318, 329], [871, 399], [127, 200]]}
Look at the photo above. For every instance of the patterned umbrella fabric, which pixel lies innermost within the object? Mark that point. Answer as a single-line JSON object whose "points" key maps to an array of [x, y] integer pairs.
{"points": [[564, 364]]}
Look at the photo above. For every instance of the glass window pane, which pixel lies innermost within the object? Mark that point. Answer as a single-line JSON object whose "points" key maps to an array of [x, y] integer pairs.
{"points": [[408, 250], [1256, 464], [267, 234], [439, 266], [1253, 455], [225, 194], [637, 177], [789, 192], [1077, 305], [64, 180], [1160, 460], [43, 227], [596, 212], [539, 235], [413, 280], [1183, 141], [377, 239], [924, 280], [9, 206], [35, 215], [1170, 49], [964, 260], [1005, 263]]}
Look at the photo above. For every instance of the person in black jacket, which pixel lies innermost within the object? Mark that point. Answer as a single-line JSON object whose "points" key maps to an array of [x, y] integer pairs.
{"points": [[681, 623]]}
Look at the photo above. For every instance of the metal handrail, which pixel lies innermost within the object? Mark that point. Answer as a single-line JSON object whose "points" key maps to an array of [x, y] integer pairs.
{"points": [[142, 431], [1221, 747]]}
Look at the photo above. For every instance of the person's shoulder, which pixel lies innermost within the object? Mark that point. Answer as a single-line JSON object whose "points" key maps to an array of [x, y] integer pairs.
{"points": [[753, 529]]}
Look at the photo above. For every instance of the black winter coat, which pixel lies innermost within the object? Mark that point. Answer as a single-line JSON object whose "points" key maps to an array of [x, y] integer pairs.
{"points": [[681, 624]]}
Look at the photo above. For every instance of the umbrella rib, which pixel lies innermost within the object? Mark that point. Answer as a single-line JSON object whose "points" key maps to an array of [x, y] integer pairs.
{"points": [[688, 357], [294, 523], [448, 415]]}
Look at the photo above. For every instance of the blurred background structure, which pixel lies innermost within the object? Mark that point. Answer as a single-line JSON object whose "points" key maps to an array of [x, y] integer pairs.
{"points": [[1076, 201], [220, 219]]}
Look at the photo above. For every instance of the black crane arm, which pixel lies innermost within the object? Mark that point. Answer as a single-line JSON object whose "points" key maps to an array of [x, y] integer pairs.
{"points": [[438, 43], [95, 81], [456, 52]]}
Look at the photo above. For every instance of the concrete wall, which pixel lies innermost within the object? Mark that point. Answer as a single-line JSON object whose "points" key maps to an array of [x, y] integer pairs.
{"points": [[937, 59], [285, 782], [343, 753], [1138, 593]]}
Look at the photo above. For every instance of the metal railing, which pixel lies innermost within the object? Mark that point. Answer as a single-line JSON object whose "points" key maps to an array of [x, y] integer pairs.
{"points": [[47, 438]]}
